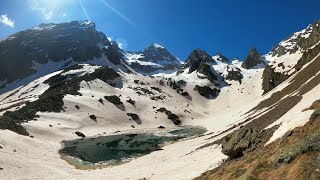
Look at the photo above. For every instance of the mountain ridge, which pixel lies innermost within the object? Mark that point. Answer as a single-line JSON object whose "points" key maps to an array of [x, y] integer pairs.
{"points": [[246, 107]]}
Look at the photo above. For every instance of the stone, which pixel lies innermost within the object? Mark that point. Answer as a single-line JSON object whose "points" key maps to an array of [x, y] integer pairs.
{"points": [[234, 144]]}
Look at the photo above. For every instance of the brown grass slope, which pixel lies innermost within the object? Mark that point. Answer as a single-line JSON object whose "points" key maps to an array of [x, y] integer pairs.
{"points": [[263, 163]]}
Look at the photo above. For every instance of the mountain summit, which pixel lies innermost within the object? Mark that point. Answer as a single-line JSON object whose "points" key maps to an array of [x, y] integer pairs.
{"points": [[253, 59], [154, 59]]}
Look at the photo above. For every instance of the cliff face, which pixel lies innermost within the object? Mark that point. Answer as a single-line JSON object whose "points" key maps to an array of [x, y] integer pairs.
{"points": [[253, 59], [290, 55], [77, 40]]}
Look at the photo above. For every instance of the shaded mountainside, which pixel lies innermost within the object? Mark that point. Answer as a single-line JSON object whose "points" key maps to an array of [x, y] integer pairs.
{"points": [[290, 55], [48, 42], [46, 48], [253, 59]]}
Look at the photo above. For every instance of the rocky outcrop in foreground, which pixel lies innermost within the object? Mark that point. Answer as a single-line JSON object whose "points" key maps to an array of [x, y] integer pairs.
{"points": [[234, 144]]}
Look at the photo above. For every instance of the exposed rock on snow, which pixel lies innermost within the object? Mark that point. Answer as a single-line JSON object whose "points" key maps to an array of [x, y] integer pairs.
{"points": [[194, 60], [60, 85], [290, 55], [173, 117], [135, 118], [233, 145], [207, 92], [80, 134], [253, 59], [234, 74]]}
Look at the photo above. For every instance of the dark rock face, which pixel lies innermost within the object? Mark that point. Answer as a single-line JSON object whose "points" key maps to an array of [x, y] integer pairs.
{"points": [[234, 74], [206, 91], [114, 99], [194, 60], [252, 60], [300, 40], [12, 125], [173, 117], [234, 144], [80, 134], [113, 53], [205, 69], [176, 85], [132, 102], [222, 58], [135, 117], [272, 79], [163, 60], [54, 42], [93, 117], [156, 53], [307, 56]]}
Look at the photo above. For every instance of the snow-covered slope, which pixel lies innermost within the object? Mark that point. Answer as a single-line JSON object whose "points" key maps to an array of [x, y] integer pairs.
{"points": [[50, 47], [66, 99]]}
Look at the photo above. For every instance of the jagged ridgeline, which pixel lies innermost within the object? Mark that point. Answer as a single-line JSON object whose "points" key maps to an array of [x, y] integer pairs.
{"points": [[68, 84]]}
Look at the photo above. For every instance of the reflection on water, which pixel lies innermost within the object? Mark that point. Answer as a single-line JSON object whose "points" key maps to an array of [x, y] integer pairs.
{"points": [[116, 149]]}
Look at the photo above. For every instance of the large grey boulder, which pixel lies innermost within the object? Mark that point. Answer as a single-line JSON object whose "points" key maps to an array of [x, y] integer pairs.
{"points": [[234, 144]]}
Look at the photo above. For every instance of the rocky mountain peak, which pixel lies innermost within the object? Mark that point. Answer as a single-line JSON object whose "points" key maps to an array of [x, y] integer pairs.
{"points": [[221, 58], [156, 52], [253, 59], [60, 44], [195, 58], [156, 46], [298, 41], [154, 59]]}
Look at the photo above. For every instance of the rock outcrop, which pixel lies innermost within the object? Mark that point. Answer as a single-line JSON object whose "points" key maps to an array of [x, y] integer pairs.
{"points": [[207, 91], [221, 58], [272, 79], [234, 74], [207, 71], [194, 60], [253, 59], [234, 144]]}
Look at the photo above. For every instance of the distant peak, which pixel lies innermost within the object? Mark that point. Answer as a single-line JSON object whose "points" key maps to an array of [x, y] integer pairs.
{"points": [[254, 50], [155, 45], [220, 57], [85, 24]]}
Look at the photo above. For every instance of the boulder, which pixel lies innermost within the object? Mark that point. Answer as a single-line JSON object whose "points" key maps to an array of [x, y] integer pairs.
{"points": [[206, 91], [234, 144]]}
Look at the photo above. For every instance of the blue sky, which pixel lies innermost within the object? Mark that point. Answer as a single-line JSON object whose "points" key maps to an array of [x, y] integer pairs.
{"points": [[229, 26]]}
